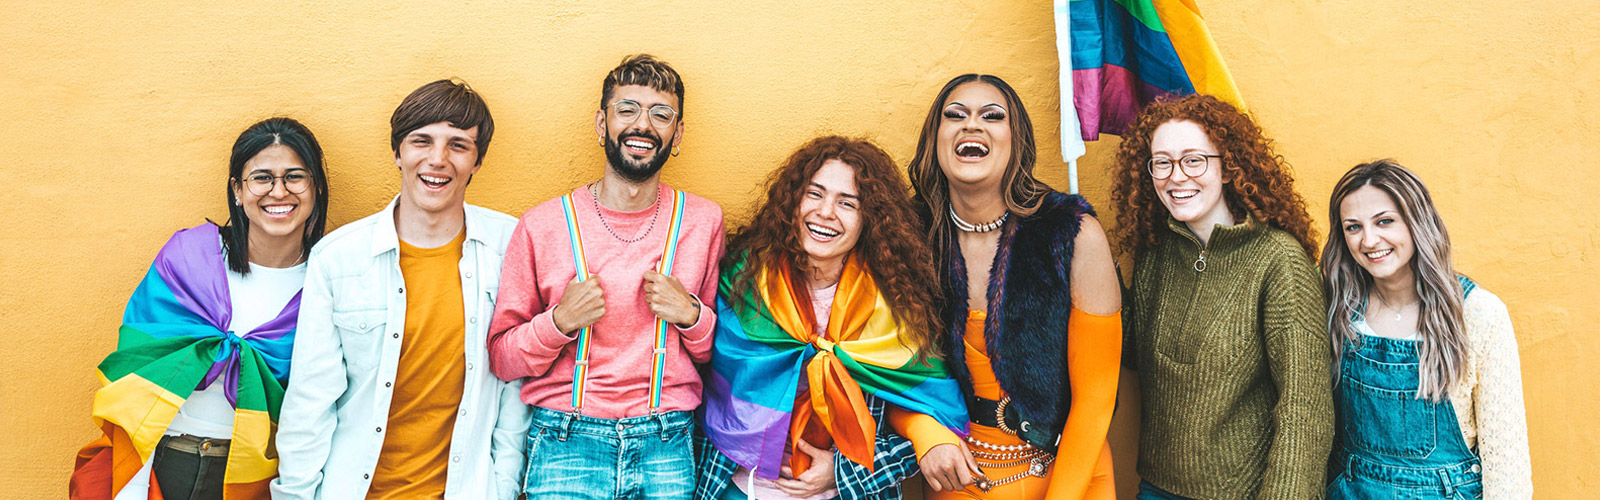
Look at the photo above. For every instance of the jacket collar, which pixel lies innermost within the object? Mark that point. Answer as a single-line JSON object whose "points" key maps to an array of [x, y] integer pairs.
{"points": [[385, 238]]}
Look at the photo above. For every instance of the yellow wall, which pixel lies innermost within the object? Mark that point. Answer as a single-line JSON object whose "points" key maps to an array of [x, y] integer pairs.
{"points": [[116, 119]]}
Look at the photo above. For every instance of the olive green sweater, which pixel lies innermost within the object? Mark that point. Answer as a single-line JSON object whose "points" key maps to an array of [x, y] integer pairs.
{"points": [[1234, 365]]}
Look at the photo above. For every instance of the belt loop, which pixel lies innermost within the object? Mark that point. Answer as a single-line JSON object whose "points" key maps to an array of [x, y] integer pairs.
{"points": [[1449, 485], [661, 418], [565, 427]]}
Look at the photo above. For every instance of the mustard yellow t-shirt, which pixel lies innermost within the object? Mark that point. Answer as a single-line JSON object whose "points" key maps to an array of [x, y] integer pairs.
{"points": [[428, 381]]}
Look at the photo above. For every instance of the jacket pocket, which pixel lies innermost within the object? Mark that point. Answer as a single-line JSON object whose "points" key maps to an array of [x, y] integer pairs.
{"points": [[361, 334]]}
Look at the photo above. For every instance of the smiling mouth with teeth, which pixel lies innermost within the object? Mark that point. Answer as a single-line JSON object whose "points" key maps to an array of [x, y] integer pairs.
{"points": [[638, 144], [433, 182], [971, 149], [278, 209], [1379, 254], [821, 231]]}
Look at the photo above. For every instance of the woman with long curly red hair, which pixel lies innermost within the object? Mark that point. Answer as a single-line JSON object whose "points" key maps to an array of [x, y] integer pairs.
{"points": [[825, 324], [1225, 321], [1033, 329]]}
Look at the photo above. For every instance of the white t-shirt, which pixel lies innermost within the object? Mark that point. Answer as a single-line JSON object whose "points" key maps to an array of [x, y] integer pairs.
{"points": [[767, 489], [257, 299]]}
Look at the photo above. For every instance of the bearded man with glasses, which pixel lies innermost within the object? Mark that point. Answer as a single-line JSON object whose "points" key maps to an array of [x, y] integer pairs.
{"points": [[600, 313]]}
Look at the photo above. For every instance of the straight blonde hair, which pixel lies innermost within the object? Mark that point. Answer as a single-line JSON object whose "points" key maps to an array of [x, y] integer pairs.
{"points": [[1442, 350]]}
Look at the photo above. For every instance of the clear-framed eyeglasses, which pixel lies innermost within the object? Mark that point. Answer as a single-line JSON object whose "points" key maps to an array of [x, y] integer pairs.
{"points": [[1193, 165], [628, 111], [294, 181]]}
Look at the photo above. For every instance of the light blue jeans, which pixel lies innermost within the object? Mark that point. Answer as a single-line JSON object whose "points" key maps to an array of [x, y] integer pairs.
{"points": [[573, 457]]}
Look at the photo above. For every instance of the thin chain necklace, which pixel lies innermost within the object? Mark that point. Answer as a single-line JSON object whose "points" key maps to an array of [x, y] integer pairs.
{"points": [[1398, 312], [593, 191], [976, 228]]}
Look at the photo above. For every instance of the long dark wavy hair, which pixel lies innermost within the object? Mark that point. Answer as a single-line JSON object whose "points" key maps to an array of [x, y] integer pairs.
{"points": [[890, 244], [262, 135], [1020, 189], [1259, 181], [1442, 352]]}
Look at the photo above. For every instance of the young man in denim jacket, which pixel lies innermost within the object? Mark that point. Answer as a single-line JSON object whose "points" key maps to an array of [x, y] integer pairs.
{"points": [[391, 395]]}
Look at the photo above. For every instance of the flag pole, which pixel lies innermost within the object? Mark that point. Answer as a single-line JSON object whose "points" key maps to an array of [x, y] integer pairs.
{"points": [[1072, 176]]}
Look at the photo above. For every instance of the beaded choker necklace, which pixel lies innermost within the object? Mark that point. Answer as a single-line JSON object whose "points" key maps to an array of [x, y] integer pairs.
{"points": [[977, 228]]}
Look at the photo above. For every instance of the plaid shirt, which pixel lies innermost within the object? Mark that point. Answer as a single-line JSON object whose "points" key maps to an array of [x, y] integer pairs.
{"points": [[895, 461]]}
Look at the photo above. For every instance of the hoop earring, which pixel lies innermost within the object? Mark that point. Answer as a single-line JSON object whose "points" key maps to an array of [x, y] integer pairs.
{"points": [[676, 150], [602, 140]]}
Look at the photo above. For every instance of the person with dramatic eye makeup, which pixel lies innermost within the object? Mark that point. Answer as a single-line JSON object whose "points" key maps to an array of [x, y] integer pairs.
{"points": [[191, 395], [1429, 393], [1031, 302], [825, 319], [1224, 322]]}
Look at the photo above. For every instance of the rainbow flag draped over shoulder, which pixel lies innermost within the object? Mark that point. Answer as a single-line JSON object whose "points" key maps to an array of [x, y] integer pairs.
{"points": [[1125, 53], [766, 345], [175, 339]]}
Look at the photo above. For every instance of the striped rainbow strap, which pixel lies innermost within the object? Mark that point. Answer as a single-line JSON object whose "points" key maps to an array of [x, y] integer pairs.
{"points": [[580, 368]]}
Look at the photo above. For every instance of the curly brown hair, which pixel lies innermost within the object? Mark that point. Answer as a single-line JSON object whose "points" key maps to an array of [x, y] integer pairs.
{"points": [[1258, 180], [891, 244]]}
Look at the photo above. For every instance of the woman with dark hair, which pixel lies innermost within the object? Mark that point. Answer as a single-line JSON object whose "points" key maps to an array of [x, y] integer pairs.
{"points": [[824, 318], [190, 397], [1031, 301], [1429, 393], [1224, 323]]}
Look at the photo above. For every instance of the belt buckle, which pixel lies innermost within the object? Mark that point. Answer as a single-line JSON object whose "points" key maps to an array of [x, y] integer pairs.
{"points": [[1000, 416]]}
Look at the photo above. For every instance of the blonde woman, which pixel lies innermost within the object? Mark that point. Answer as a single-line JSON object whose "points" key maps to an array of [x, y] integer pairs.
{"points": [[1429, 393]]}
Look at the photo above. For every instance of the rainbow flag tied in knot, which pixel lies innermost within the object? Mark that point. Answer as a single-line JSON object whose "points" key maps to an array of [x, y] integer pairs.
{"points": [[765, 346], [175, 339]]}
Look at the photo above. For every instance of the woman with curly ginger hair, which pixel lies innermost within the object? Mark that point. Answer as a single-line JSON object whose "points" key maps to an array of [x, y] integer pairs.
{"points": [[1031, 302], [1224, 325], [825, 318]]}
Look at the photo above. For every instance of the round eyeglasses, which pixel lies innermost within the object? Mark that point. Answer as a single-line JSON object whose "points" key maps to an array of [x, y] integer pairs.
{"points": [[294, 181], [1193, 165], [628, 111]]}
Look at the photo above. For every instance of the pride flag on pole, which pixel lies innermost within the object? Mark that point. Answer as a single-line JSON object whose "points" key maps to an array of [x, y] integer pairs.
{"points": [[1125, 53]]}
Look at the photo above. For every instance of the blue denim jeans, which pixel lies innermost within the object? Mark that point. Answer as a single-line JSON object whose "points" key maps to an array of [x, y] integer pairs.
{"points": [[1389, 443], [1149, 491], [573, 457]]}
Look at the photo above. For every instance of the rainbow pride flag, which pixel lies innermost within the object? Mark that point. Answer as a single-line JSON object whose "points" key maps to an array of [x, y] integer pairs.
{"points": [[1125, 53], [764, 347], [175, 339]]}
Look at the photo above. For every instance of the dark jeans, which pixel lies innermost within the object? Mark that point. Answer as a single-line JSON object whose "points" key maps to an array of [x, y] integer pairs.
{"points": [[1149, 491], [190, 467]]}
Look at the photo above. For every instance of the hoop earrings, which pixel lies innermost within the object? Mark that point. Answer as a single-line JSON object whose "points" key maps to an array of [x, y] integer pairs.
{"points": [[602, 140], [676, 150]]}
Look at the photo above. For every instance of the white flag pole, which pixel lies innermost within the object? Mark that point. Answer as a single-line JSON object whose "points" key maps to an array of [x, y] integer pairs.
{"points": [[1072, 176], [1071, 132]]}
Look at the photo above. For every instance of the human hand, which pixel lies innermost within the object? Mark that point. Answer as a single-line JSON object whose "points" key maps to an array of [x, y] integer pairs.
{"points": [[813, 481], [582, 304], [668, 299], [949, 467]]}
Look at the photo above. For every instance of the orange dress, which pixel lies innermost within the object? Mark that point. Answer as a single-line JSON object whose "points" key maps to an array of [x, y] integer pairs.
{"points": [[1082, 467]]}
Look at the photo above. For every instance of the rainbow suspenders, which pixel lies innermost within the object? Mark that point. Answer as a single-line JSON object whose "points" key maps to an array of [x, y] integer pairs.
{"points": [[580, 369]]}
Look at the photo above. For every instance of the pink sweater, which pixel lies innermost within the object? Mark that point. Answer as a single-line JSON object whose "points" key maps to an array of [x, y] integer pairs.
{"points": [[524, 341]]}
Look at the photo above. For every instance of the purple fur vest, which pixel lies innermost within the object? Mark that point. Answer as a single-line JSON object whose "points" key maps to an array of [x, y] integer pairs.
{"points": [[1026, 331]]}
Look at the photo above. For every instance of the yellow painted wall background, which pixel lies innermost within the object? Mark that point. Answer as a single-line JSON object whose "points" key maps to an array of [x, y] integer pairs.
{"points": [[116, 119]]}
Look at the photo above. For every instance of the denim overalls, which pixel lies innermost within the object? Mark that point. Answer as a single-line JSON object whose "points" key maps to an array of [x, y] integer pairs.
{"points": [[1391, 444]]}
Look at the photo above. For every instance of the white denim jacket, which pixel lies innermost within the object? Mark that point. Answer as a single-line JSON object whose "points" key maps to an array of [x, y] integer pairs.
{"points": [[347, 346]]}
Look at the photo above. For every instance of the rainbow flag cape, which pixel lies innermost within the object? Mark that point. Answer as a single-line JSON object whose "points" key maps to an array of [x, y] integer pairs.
{"points": [[1125, 53], [175, 339], [764, 347]]}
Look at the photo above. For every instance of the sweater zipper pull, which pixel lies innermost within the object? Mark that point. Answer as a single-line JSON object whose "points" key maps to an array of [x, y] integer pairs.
{"points": [[1200, 263]]}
